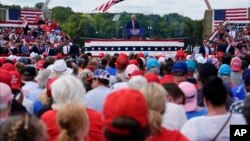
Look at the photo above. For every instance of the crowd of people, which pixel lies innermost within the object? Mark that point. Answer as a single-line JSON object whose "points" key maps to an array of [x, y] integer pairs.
{"points": [[55, 92], [48, 39]]}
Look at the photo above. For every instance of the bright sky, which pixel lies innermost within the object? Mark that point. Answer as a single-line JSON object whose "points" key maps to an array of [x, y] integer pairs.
{"points": [[190, 8]]}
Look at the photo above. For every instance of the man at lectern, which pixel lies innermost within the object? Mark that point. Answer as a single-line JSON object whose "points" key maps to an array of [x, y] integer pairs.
{"points": [[133, 27]]}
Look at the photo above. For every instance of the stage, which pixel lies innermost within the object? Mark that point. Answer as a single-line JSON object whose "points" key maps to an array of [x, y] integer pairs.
{"points": [[153, 47]]}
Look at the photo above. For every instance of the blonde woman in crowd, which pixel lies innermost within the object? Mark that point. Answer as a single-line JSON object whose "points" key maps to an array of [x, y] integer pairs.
{"points": [[155, 96], [73, 124]]}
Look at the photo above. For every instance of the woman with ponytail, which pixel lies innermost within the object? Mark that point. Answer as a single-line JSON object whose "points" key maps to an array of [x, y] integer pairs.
{"points": [[155, 96], [74, 124]]}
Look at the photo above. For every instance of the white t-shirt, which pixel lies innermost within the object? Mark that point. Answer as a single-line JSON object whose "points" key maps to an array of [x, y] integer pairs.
{"points": [[29, 86], [174, 117], [205, 128]]}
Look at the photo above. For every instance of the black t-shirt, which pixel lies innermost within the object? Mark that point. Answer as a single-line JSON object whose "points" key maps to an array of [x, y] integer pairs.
{"points": [[17, 108]]}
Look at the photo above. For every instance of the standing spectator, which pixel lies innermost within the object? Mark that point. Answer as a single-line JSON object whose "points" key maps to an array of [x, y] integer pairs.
{"points": [[69, 90], [13, 49], [191, 105], [236, 74], [174, 116], [28, 75], [205, 49], [25, 24], [215, 125], [243, 93], [225, 73], [180, 71], [25, 49], [246, 111], [122, 121], [155, 96], [74, 124], [100, 83], [5, 101], [23, 128]]}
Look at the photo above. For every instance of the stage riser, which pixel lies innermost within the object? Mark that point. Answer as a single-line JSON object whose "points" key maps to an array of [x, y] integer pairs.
{"points": [[126, 46]]}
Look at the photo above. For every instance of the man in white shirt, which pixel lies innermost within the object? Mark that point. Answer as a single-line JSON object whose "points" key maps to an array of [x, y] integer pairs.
{"points": [[66, 48], [100, 83]]}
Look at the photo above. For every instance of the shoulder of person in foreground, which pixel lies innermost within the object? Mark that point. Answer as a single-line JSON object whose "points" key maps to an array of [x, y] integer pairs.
{"points": [[95, 126]]}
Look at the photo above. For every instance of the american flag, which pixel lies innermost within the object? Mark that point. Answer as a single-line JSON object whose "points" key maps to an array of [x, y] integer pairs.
{"points": [[105, 6], [220, 15], [14, 17]]}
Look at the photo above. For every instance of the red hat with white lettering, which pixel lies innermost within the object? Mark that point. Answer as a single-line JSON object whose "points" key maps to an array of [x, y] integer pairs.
{"points": [[16, 80]]}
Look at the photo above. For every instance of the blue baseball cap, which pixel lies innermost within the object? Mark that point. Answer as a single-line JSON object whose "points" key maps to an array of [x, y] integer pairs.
{"points": [[225, 70], [180, 68], [191, 65], [152, 63], [101, 74]]}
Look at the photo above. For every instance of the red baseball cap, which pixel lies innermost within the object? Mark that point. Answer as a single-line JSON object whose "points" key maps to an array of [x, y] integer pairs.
{"points": [[39, 64], [8, 67], [125, 103], [101, 55], [5, 77], [140, 55], [16, 80], [219, 54], [134, 61], [152, 77], [167, 79], [236, 64], [123, 55], [136, 72]]}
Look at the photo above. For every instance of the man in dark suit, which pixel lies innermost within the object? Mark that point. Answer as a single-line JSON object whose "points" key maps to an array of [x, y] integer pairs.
{"points": [[49, 49], [205, 49], [74, 50], [230, 47], [133, 23], [132, 26]]}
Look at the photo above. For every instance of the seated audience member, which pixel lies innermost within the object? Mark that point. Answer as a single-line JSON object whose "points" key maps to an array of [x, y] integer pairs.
{"points": [[191, 105], [74, 124], [121, 120], [215, 125], [69, 90], [155, 96], [23, 128]]}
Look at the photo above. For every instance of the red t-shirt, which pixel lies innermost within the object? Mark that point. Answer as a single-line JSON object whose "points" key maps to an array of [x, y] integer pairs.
{"points": [[95, 125], [168, 135]]}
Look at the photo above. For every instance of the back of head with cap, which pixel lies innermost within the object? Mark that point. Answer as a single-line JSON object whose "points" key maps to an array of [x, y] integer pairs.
{"points": [[190, 95], [125, 116]]}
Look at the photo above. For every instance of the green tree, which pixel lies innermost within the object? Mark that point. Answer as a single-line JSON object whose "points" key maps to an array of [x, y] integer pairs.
{"points": [[61, 14], [39, 5]]}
